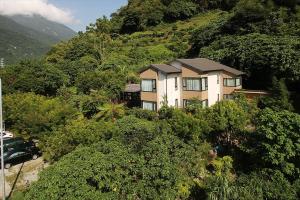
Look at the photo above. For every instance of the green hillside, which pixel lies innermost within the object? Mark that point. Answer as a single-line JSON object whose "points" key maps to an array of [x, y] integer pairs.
{"points": [[157, 44], [54, 30], [204, 32], [22, 40]]}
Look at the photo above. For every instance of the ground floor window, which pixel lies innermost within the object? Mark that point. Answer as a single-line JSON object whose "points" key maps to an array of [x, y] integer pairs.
{"points": [[205, 103], [148, 105], [228, 96], [176, 103], [187, 102]]}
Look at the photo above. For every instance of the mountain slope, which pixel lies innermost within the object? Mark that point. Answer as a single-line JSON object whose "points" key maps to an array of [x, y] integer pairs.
{"points": [[18, 41], [40, 24]]}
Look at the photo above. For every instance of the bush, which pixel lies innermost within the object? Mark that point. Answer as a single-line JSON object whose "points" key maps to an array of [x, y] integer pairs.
{"points": [[76, 133], [278, 140], [163, 169], [183, 125], [135, 132], [142, 114], [33, 115]]}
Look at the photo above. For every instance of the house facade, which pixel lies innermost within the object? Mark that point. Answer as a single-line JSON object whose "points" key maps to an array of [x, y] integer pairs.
{"points": [[183, 80]]}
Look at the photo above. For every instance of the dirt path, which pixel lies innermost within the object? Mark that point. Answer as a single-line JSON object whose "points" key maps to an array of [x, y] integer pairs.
{"points": [[20, 176]]}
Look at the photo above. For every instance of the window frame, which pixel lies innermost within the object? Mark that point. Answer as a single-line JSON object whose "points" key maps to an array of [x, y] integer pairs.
{"points": [[186, 102], [206, 103], [154, 105], [225, 82], [184, 83], [154, 88], [228, 96]]}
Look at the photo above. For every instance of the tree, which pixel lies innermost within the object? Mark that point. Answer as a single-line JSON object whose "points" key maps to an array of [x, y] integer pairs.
{"points": [[227, 119], [33, 115], [110, 111], [33, 76], [264, 184], [131, 23], [260, 185], [280, 98], [75, 133], [180, 9], [135, 132], [110, 81], [163, 169], [258, 56], [183, 125], [203, 36], [278, 140]]}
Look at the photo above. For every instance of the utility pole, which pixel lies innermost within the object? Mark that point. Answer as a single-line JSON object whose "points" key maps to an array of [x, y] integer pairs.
{"points": [[2, 152]]}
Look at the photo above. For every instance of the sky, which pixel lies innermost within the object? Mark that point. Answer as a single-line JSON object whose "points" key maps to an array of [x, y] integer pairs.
{"points": [[76, 14]]}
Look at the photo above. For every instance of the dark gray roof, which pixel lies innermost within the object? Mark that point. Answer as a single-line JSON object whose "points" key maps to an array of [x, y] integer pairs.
{"points": [[133, 88], [204, 65], [166, 68]]}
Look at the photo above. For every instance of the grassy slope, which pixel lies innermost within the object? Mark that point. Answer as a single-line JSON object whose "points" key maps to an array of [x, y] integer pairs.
{"points": [[158, 44]]}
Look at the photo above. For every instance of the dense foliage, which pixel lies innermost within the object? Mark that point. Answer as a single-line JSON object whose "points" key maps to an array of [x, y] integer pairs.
{"points": [[33, 115]]}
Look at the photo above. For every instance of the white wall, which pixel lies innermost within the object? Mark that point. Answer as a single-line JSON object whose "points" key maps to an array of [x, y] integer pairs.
{"points": [[174, 93], [213, 87], [161, 88], [166, 88]]}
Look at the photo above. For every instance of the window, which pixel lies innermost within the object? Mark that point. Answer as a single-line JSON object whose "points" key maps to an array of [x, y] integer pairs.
{"points": [[238, 81], [148, 105], [176, 83], [218, 79], [149, 85], [185, 103], [176, 103], [205, 103], [232, 82], [228, 96], [195, 84], [204, 85]]}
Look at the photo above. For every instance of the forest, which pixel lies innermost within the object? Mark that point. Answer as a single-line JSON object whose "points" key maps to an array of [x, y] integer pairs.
{"points": [[70, 100]]}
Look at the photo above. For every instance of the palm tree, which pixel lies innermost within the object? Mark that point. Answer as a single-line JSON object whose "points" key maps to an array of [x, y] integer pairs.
{"points": [[110, 111]]}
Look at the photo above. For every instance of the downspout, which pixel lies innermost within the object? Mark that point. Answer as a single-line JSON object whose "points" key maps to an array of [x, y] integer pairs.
{"points": [[167, 89]]}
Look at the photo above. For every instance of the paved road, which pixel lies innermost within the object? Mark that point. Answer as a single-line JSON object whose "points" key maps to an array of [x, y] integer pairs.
{"points": [[20, 176]]}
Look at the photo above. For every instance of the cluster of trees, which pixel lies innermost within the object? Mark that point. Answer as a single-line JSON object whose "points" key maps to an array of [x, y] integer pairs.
{"points": [[138, 15], [147, 155], [258, 37]]}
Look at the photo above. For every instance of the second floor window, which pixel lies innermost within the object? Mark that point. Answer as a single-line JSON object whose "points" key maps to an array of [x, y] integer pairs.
{"points": [[148, 85], [176, 83], [195, 84], [232, 82]]}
